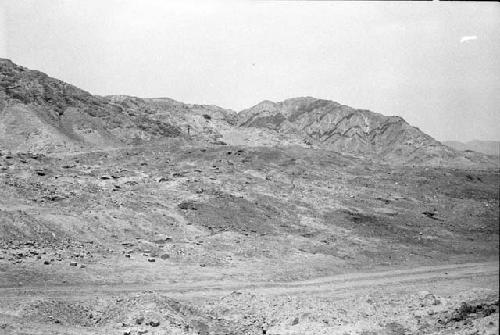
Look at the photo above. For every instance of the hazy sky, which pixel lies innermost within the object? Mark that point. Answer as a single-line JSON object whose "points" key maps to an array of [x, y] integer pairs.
{"points": [[435, 64]]}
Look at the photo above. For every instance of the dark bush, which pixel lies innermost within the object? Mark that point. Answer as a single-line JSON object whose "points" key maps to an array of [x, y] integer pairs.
{"points": [[188, 205]]}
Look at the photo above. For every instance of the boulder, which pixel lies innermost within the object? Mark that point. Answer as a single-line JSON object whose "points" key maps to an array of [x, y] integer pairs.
{"points": [[154, 323]]}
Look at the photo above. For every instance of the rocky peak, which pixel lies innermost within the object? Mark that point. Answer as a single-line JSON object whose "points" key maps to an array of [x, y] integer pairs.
{"points": [[332, 125]]}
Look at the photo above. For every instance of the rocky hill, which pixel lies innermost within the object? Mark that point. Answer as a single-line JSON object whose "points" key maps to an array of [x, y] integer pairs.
{"points": [[328, 124], [202, 122], [42, 114]]}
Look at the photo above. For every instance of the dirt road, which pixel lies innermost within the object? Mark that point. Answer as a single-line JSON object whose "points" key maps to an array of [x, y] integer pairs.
{"points": [[351, 303], [470, 272]]}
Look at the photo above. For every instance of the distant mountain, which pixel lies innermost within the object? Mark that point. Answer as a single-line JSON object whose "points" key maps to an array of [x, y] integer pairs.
{"points": [[485, 147], [332, 125], [43, 114]]}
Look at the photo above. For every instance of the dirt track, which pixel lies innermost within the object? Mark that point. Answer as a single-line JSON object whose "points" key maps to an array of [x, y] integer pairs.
{"points": [[331, 284], [385, 299]]}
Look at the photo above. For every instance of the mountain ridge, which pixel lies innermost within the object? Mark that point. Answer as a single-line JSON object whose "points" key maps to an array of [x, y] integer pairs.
{"points": [[41, 113], [329, 124]]}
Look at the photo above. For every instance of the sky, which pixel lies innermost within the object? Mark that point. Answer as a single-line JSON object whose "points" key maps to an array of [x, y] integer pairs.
{"points": [[436, 64]]}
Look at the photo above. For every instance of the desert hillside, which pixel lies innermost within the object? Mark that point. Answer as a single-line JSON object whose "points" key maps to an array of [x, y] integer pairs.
{"points": [[122, 215], [328, 124], [43, 114]]}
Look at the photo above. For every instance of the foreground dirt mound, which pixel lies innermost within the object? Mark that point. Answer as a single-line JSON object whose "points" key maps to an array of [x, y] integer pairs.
{"points": [[356, 310], [136, 313]]}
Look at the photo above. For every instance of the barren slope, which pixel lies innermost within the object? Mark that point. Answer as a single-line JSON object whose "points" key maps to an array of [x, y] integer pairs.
{"points": [[329, 124], [39, 113], [262, 222], [43, 114], [255, 208], [127, 219]]}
